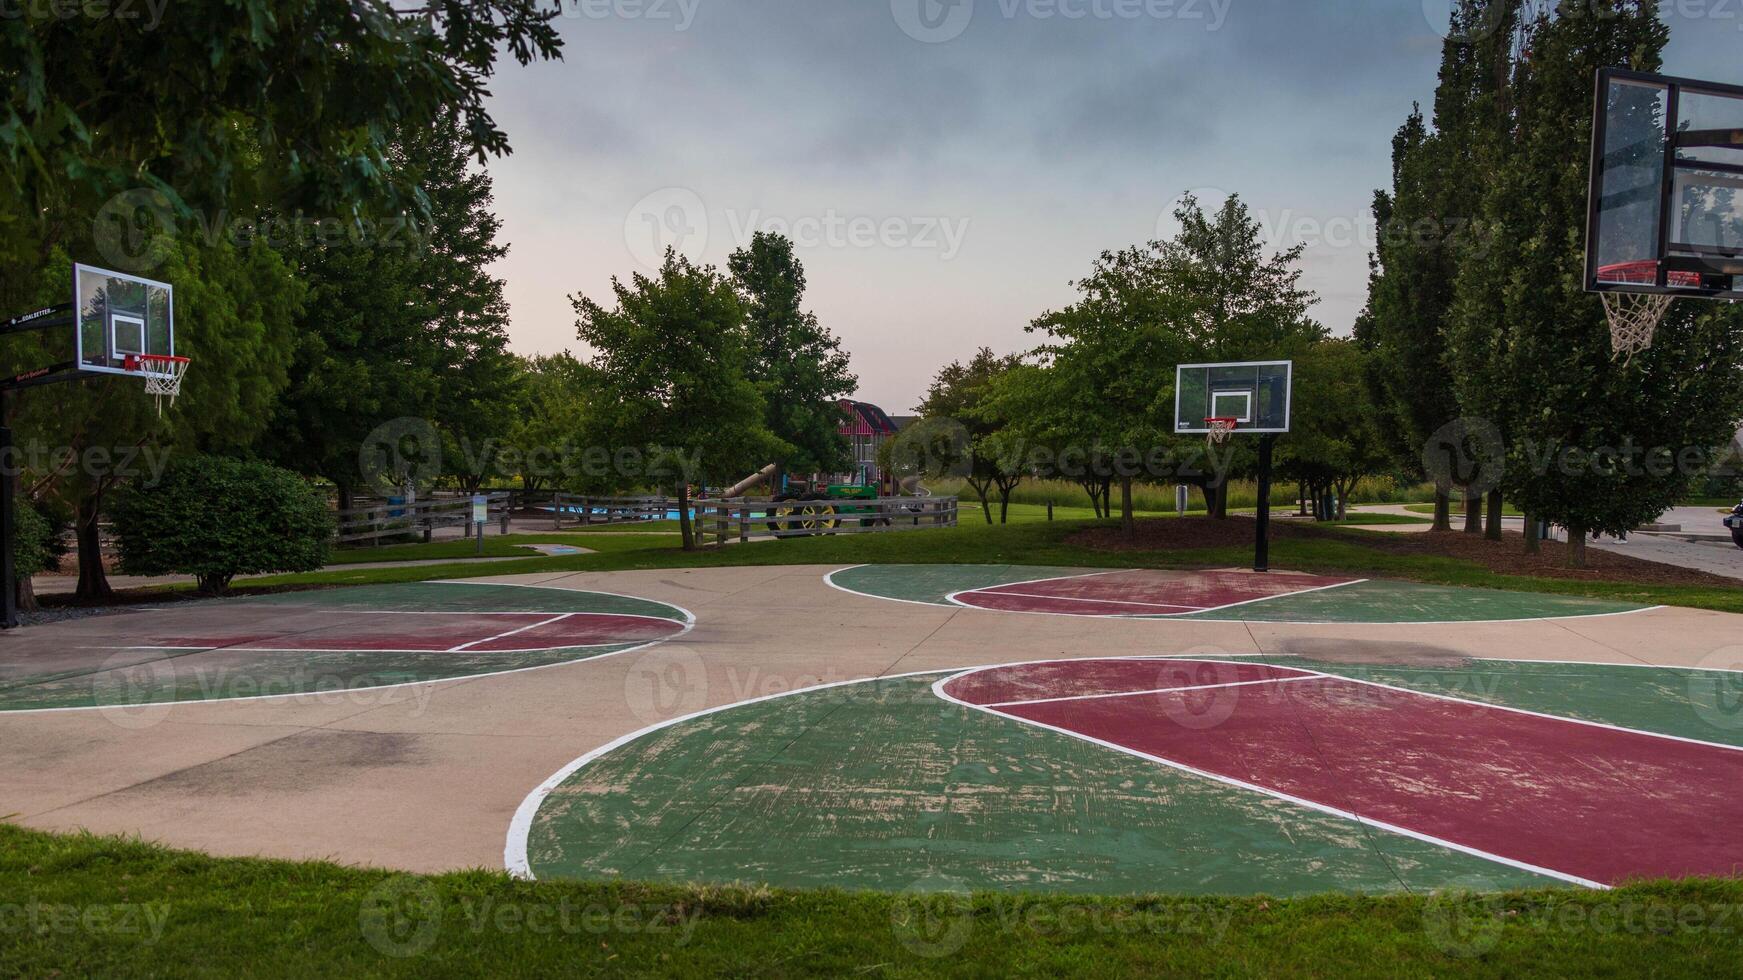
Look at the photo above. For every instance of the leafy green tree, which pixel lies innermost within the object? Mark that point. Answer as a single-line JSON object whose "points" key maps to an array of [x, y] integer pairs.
{"points": [[234, 312], [1424, 220], [285, 102], [797, 362], [215, 518], [1333, 441], [405, 327], [1596, 443], [669, 365], [992, 457], [550, 415], [1209, 293]]}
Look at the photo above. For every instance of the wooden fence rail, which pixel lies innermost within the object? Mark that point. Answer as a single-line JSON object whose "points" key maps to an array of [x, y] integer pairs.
{"points": [[375, 522], [721, 521]]}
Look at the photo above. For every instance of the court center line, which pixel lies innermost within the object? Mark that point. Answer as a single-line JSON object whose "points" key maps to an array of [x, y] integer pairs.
{"points": [[1075, 598], [1162, 690], [530, 626]]}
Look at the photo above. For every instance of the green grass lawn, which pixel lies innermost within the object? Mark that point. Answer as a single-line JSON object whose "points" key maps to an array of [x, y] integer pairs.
{"points": [[81, 905], [1027, 541]]}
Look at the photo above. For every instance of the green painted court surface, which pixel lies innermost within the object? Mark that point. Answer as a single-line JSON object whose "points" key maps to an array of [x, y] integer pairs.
{"points": [[882, 785], [322, 642], [1373, 601]]}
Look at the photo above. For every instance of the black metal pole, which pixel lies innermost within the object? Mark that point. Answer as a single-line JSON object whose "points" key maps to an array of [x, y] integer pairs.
{"points": [[1262, 546], [8, 519]]}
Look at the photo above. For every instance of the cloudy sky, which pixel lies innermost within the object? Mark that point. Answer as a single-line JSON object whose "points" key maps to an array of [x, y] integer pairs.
{"points": [[949, 167]]}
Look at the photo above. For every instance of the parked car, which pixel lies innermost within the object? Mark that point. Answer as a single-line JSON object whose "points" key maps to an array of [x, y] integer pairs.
{"points": [[1735, 523]]}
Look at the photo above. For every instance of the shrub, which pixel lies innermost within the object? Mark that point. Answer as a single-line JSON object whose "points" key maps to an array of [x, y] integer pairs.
{"points": [[216, 518], [36, 545]]}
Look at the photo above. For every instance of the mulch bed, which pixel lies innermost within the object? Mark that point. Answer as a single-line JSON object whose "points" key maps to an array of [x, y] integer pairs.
{"points": [[1504, 557]]}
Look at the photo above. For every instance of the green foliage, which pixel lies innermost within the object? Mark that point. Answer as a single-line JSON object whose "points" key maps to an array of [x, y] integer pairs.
{"points": [[36, 543], [408, 328], [1333, 441], [550, 416], [990, 452], [1594, 443], [669, 368], [290, 102], [798, 363], [215, 518]]}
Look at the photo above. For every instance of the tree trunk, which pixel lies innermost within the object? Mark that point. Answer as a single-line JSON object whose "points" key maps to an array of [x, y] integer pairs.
{"points": [[1004, 507], [93, 581], [26, 594], [1532, 545], [1576, 547], [685, 531], [346, 497], [1343, 490], [1221, 508], [1442, 511], [214, 584], [1473, 514], [1492, 528], [1128, 522], [1301, 498]]}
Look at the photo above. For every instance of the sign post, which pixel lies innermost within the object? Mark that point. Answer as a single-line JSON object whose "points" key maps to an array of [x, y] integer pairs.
{"points": [[480, 517]]}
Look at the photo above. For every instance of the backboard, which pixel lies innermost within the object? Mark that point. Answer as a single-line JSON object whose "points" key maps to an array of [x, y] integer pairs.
{"points": [[1254, 393], [1666, 211], [116, 315]]}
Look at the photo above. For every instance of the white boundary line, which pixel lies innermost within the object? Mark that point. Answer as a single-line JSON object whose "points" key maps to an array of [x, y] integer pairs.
{"points": [[689, 624], [1190, 610], [515, 847], [503, 636], [955, 599], [829, 580], [938, 689], [1166, 690]]}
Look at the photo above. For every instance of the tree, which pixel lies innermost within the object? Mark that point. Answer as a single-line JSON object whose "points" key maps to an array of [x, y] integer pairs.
{"points": [[408, 327], [991, 457], [551, 413], [1209, 293], [669, 365], [234, 311], [1596, 444], [1423, 221], [799, 364], [1333, 441], [216, 518], [289, 102]]}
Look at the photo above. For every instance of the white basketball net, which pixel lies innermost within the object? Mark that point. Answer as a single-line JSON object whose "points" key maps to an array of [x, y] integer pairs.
{"points": [[1634, 318], [1221, 430], [162, 377]]}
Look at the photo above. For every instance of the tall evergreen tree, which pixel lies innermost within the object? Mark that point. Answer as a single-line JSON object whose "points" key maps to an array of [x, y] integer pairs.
{"points": [[1596, 443]]}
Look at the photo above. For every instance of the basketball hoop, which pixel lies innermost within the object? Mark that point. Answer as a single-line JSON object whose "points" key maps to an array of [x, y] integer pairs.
{"points": [[1634, 318], [1221, 429], [162, 373]]}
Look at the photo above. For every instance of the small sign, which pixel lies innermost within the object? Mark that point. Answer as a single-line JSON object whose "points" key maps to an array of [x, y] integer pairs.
{"points": [[480, 509]]}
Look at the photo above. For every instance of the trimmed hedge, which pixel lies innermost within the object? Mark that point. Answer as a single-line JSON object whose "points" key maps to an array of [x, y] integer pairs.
{"points": [[215, 518]]}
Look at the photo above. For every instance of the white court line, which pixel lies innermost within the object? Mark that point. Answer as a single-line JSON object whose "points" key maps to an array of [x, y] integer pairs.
{"points": [[689, 623], [954, 598], [829, 580], [938, 689], [502, 636], [515, 849], [1162, 690]]}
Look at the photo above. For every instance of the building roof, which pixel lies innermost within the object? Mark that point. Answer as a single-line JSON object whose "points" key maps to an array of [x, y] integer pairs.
{"points": [[868, 418]]}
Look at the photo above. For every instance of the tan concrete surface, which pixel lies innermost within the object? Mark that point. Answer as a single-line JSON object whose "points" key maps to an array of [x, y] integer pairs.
{"points": [[427, 777]]}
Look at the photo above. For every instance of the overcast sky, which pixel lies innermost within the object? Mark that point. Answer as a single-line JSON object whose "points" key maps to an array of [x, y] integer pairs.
{"points": [[949, 167]]}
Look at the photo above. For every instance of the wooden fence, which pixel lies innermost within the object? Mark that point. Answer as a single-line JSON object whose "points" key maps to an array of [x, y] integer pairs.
{"points": [[375, 522], [575, 510], [721, 521]]}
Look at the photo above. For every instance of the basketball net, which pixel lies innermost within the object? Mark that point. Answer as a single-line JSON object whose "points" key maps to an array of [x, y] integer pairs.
{"points": [[1634, 318], [1220, 430], [161, 373]]}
